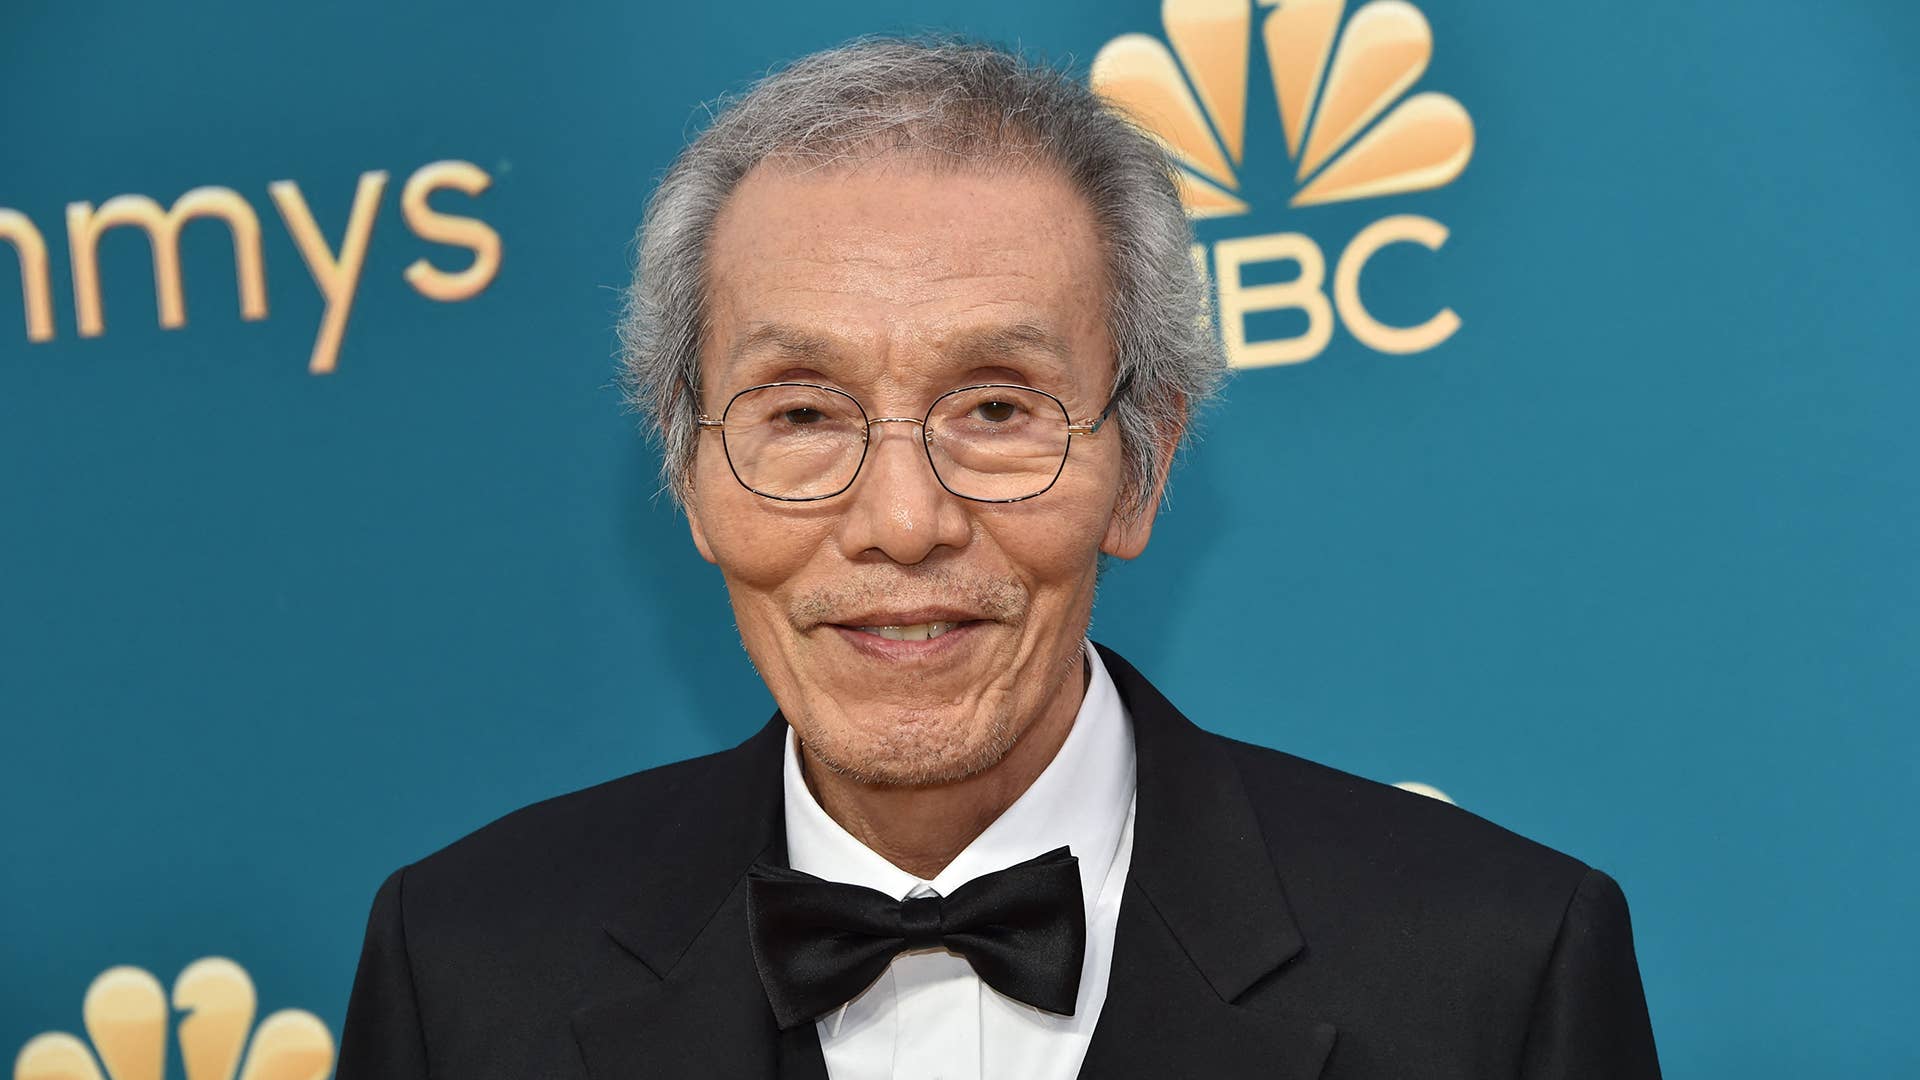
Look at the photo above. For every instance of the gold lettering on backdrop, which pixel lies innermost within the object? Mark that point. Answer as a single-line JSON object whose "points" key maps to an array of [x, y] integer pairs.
{"points": [[430, 224], [85, 224], [1331, 84], [1306, 294], [1401, 228], [337, 278], [1238, 300], [337, 275], [36, 287]]}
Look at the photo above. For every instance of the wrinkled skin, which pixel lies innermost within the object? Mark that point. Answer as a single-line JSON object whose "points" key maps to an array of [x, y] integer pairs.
{"points": [[890, 279]]}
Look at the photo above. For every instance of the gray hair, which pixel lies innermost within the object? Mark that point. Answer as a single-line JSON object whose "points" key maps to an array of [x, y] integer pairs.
{"points": [[944, 99]]}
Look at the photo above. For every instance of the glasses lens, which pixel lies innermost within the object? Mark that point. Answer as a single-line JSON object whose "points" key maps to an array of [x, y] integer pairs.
{"points": [[795, 442], [997, 442]]}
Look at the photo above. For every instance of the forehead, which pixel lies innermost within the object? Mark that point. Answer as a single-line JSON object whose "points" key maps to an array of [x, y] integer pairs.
{"points": [[892, 271]]}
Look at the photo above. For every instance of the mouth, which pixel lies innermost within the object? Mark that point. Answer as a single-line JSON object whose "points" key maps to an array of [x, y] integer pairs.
{"points": [[925, 631], [907, 635]]}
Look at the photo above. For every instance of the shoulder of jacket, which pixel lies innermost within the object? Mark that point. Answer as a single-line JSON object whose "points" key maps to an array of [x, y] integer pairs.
{"points": [[564, 836], [1368, 831]]}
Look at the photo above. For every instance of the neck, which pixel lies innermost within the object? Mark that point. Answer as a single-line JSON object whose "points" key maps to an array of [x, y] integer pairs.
{"points": [[922, 828]]}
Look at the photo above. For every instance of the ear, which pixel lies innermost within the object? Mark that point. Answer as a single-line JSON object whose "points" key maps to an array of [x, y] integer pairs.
{"points": [[1132, 522], [692, 507], [1127, 533]]}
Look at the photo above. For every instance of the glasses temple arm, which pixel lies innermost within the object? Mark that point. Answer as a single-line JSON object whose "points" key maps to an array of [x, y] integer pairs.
{"points": [[1092, 427]]}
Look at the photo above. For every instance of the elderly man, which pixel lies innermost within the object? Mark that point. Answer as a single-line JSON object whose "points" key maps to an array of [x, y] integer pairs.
{"points": [[918, 328]]}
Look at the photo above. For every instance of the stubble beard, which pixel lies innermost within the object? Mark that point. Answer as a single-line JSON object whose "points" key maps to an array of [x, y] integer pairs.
{"points": [[928, 749], [919, 751], [924, 747]]}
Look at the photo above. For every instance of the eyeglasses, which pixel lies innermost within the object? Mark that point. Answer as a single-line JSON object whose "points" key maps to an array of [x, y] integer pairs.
{"points": [[990, 442]]}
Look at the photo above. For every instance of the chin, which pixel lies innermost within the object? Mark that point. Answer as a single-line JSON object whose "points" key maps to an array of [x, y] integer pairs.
{"points": [[908, 748]]}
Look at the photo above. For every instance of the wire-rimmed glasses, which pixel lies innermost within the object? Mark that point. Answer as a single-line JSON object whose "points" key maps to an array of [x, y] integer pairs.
{"points": [[988, 442]]}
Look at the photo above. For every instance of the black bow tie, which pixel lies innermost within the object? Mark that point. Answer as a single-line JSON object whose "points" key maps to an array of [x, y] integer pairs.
{"points": [[818, 943]]}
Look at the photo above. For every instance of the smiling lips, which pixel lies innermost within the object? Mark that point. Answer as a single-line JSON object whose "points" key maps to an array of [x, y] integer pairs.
{"points": [[917, 627], [925, 631]]}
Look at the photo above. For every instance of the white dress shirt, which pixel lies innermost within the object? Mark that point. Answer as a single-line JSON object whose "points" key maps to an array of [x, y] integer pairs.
{"points": [[928, 1016]]}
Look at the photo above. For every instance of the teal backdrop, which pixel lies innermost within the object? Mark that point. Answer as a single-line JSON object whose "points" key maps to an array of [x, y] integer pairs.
{"points": [[1627, 564]]}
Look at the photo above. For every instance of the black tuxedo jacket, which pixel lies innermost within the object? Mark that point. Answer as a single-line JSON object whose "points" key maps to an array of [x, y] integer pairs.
{"points": [[1281, 920]]}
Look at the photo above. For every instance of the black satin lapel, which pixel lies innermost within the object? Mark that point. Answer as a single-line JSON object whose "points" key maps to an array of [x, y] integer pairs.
{"points": [[1163, 1018], [728, 812], [1197, 846], [1205, 929], [800, 1056], [708, 1017], [697, 1008]]}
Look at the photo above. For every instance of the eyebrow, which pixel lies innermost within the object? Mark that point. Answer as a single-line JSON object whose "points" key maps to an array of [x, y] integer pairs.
{"points": [[784, 340], [978, 348], [984, 347]]}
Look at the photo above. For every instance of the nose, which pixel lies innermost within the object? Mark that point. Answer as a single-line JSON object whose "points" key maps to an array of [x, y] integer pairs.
{"points": [[897, 507]]}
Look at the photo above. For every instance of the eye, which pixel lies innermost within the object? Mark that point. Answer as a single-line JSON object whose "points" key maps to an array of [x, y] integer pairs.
{"points": [[802, 415], [996, 412]]}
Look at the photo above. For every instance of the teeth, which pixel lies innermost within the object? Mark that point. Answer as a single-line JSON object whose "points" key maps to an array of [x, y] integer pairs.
{"points": [[917, 632]]}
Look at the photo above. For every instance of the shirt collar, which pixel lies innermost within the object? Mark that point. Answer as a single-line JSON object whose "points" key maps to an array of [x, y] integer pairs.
{"points": [[1079, 800]]}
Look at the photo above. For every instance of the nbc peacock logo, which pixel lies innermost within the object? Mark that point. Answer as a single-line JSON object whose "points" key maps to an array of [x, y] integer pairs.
{"points": [[1352, 132], [126, 1016]]}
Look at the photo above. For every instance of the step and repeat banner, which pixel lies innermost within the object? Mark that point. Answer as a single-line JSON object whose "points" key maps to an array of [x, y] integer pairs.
{"points": [[1566, 471]]}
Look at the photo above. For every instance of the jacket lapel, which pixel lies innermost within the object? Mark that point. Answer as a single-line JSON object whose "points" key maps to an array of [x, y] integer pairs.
{"points": [[1203, 926], [694, 1006]]}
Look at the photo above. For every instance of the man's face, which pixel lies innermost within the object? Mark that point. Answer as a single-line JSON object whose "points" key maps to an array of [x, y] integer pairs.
{"points": [[895, 283]]}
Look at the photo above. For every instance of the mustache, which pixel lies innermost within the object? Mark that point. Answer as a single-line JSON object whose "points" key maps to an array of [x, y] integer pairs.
{"points": [[999, 599]]}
